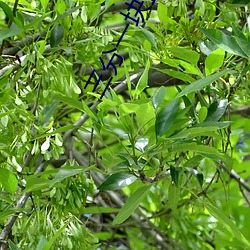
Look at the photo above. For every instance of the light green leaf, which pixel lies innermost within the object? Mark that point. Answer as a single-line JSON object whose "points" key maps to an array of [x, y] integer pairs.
{"points": [[162, 12], [132, 203], [143, 81], [214, 61], [186, 54], [202, 114], [8, 180], [128, 108]]}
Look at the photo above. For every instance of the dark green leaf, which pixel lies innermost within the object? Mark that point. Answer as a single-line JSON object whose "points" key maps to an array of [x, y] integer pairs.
{"points": [[166, 117], [245, 2], [174, 172], [7, 10], [117, 181], [198, 175], [56, 35], [216, 110], [223, 41]]}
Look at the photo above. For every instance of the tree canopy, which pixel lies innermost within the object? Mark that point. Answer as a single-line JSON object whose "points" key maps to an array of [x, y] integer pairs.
{"points": [[124, 125]]}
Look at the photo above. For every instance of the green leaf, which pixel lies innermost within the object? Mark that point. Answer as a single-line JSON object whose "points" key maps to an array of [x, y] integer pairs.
{"points": [[49, 110], [166, 117], [33, 183], [41, 243], [117, 181], [49, 244], [98, 210], [56, 35], [198, 175], [227, 223], [174, 172], [202, 114], [70, 101], [132, 203], [66, 172], [144, 34], [44, 3], [162, 12], [143, 81], [219, 125], [158, 97], [193, 132], [7, 10], [186, 54], [177, 74], [197, 85], [173, 196], [245, 2], [9, 211], [216, 110], [13, 246], [128, 108], [9, 32], [223, 41], [214, 61], [8, 180]]}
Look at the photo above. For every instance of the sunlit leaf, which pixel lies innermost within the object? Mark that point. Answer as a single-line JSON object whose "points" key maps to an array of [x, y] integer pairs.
{"points": [[8, 180]]}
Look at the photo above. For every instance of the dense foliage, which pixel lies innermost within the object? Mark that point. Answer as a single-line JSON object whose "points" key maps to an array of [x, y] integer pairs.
{"points": [[161, 161]]}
